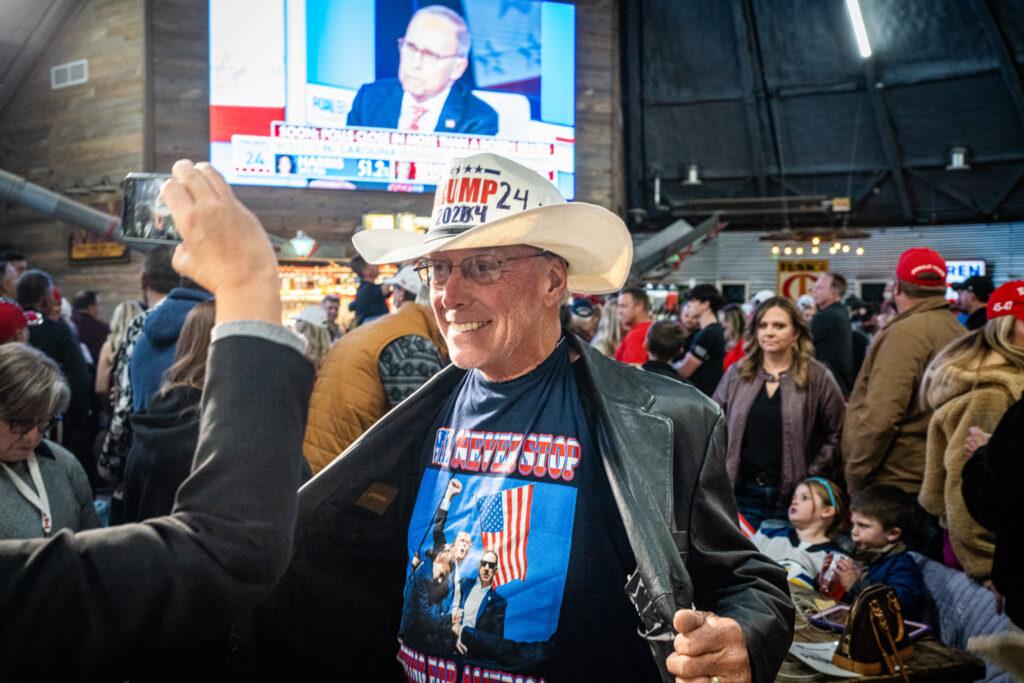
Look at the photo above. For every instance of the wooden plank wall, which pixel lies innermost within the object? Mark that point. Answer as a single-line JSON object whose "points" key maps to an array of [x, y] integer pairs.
{"points": [[146, 105], [79, 134]]}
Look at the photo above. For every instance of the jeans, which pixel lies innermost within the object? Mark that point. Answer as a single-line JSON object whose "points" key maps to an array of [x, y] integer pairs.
{"points": [[757, 503]]}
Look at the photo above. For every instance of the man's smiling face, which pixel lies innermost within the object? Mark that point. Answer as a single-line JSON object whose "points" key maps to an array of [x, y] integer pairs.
{"points": [[495, 328]]}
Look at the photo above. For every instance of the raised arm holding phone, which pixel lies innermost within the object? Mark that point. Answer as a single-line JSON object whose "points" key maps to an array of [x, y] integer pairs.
{"points": [[120, 602]]}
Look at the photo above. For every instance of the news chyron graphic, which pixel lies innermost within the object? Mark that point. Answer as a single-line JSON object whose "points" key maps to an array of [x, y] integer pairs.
{"points": [[370, 94]]}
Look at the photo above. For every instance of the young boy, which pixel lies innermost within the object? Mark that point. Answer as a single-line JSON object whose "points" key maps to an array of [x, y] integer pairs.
{"points": [[879, 514], [663, 343]]}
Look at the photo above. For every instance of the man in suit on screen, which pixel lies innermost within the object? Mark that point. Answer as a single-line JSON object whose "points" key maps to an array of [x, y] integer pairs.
{"points": [[427, 96]]}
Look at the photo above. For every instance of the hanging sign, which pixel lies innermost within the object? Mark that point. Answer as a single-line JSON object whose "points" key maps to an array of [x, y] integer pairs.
{"points": [[796, 278]]}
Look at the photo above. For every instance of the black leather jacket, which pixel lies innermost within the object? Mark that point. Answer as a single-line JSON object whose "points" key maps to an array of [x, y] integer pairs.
{"points": [[662, 443]]}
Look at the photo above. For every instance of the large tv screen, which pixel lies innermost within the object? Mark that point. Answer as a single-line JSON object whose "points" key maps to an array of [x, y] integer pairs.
{"points": [[381, 94]]}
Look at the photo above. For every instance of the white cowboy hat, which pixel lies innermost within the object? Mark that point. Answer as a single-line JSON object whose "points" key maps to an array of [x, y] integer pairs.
{"points": [[489, 201], [314, 315], [407, 278]]}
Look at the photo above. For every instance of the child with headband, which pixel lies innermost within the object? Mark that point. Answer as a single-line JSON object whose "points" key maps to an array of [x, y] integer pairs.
{"points": [[817, 512]]}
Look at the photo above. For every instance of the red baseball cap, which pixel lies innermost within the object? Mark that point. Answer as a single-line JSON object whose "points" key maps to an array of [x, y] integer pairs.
{"points": [[920, 261], [13, 318], [1007, 300]]}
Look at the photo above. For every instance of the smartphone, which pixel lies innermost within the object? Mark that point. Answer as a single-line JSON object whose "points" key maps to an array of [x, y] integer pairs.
{"points": [[145, 218]]}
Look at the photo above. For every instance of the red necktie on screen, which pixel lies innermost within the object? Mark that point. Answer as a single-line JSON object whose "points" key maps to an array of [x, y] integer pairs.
{"points": [[417, 114]]}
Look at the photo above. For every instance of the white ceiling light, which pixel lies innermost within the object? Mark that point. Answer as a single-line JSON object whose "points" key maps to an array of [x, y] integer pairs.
{"points": [[958, 160], [303, 244], [692, 175], [853, 6]]}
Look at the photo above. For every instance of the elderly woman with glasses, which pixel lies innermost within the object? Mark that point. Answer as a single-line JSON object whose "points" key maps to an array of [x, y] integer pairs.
{"points": [[43, 488]]}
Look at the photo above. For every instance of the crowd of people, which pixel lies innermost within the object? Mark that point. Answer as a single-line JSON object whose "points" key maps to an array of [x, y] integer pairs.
{"points": [[832, 404], [844, 435]]}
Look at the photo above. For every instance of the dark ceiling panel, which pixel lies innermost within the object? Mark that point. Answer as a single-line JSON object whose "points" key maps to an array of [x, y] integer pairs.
{"points": [[713, 136], [1009, 15], [807, 42], [926, 38], [680, 52], [819, 134], [975, 112], [736, 87]]}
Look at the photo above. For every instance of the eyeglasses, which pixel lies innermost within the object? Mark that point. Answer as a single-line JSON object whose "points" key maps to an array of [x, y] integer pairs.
{"points": [[485, 563], [410, 49], [484, 269], [23, 427]]}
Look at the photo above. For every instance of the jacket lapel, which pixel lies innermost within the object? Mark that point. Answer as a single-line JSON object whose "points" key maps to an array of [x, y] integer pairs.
{"points": [[483, 604], [639, 474], [453, 109], [392, 443]]}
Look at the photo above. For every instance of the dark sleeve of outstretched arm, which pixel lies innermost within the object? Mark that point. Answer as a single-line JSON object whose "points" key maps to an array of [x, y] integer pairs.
{"points": [[992, 476], [92, 603], [978, 483], [730, 577]]}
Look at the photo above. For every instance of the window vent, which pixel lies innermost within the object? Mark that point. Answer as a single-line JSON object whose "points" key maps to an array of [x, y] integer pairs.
{"points": [[72, 73]]}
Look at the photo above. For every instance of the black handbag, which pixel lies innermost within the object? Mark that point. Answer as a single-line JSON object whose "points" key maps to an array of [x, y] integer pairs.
{"points": [[875, 639]]}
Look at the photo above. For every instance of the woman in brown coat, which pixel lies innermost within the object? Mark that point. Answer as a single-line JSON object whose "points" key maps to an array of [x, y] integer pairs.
{"points": [[970, 383], [783, 410]]}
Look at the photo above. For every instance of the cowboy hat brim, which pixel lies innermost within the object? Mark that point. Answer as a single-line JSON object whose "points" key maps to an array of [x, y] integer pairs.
{"points": [[591, 238]]}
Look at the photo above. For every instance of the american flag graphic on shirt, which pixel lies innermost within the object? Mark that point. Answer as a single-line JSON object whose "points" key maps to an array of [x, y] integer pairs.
{"points": [[505, 529]]}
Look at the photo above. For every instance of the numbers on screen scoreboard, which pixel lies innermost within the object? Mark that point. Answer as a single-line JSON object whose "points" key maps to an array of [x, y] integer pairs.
{"points": [[373, 168], [254, 157]]}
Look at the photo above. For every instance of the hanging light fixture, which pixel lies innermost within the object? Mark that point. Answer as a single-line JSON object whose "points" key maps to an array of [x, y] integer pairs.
{"points": [[692, 175], [303, 244], [958, 159]]}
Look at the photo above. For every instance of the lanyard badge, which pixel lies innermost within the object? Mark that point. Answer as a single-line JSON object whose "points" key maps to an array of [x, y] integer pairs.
{"points": [[38, 497]]}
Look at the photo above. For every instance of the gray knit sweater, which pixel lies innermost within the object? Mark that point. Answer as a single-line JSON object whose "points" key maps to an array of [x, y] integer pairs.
{"points": [[66, 486]]}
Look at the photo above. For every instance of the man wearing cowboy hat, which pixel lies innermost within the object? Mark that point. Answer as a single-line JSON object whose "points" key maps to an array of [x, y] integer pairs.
{"points": [[601, 489]]}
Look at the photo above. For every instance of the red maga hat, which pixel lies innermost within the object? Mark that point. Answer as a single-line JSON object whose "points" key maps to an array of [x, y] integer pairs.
{"points": [[920, 266], [1007, 300], [13, 318]]}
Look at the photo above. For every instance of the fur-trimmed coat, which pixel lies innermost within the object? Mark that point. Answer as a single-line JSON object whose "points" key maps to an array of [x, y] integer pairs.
{"points": [[964, 398]]}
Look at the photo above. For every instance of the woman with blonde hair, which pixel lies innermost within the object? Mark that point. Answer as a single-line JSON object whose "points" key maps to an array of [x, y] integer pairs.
{"points": [[734, 323], [311, 325], [609, 332], [165, 436], [783, 411], [970, 383], [124, 314]]}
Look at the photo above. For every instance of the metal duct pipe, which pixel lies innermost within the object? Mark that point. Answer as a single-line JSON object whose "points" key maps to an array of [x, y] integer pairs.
{"points": [[48, 203]]}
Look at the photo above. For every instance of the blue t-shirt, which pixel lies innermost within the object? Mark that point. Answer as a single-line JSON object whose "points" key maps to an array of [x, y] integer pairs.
{"points": [[512, 477]]}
